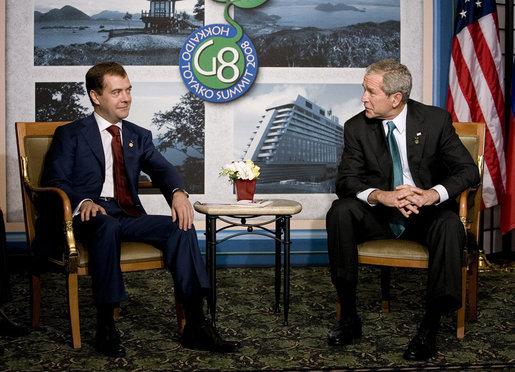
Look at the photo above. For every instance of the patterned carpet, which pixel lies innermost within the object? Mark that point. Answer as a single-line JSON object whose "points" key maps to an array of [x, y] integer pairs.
{"points": [[245, 312]]}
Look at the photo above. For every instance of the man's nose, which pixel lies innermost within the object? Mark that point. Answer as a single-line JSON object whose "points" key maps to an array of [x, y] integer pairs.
{"points": [[126, 96]]}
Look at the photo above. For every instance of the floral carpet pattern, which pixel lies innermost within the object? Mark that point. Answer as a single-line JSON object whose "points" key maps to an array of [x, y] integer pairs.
{"points": [[245, 312]]}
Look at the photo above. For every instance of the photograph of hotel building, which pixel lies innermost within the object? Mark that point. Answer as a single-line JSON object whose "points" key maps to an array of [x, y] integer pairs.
{"points": [[298, 146]]}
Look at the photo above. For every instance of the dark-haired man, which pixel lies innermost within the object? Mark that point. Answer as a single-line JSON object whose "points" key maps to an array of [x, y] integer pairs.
{"points": [[97, 160]]}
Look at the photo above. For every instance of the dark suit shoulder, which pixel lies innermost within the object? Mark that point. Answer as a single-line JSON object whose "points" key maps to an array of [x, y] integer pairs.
{"points": [[423, 112], [135, 128]]}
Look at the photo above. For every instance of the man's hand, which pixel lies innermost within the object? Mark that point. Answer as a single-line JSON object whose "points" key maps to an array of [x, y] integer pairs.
{"points": [[407, 199], [420, 197], [182, 210], [89, 209]]}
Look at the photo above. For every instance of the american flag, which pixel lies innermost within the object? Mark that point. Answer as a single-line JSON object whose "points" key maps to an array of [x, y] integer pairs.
{"points": [[508, 204], [476, 78]]}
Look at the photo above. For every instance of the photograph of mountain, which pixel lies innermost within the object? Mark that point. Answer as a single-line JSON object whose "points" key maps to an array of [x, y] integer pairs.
{"points": [[132, 32], [318, 33]]}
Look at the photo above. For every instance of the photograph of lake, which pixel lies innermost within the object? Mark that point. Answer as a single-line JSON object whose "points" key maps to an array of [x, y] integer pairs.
{"points": [[132, 32], [322, 33]]}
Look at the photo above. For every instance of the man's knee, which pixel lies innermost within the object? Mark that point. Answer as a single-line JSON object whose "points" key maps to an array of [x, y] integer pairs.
{"points": [[343, 208]]}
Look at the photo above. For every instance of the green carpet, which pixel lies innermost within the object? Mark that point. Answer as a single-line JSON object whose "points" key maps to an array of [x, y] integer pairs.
{"points": [[245, 312]]}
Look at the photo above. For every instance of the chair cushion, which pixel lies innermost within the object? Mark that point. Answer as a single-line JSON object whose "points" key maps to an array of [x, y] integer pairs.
{"points": [[131, 252], [393, 248]]}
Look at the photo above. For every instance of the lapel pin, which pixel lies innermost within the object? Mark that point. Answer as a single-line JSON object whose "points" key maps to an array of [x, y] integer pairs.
{"points": [[131, 144], [417, 138]]}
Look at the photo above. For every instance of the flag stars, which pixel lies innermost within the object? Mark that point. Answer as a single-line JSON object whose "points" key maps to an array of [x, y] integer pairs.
{"points": [[463, 13], [478, 3]]}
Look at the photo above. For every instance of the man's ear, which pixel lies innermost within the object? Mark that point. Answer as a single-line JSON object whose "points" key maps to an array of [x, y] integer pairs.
{"points": [[396, 99], [94, 96]]}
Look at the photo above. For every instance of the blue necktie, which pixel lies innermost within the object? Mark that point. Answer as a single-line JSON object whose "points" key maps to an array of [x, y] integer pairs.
{"points": [[397, 224]]}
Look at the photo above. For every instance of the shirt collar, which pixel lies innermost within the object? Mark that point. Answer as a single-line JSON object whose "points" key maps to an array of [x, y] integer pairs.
{"points": [[103, 124], [399, 120]]}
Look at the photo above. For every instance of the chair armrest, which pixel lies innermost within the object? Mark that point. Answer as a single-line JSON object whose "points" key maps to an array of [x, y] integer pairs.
{"points": [[463, 209], [72, 253]]}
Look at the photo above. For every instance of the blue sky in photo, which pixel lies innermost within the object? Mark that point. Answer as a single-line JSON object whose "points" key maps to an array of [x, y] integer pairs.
{"points": [[343, 99]]}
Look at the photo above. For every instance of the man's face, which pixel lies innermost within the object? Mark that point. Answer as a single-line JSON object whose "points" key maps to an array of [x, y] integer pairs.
{"points": [[377, 104], [115, 101]]}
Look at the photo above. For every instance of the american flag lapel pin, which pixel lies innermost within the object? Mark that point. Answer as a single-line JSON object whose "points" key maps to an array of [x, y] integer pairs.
{"points": [[131, 144], [417, 138]]}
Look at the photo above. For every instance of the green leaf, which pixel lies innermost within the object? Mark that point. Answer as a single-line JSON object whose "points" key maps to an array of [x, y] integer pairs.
{"points": [[248, 3]]}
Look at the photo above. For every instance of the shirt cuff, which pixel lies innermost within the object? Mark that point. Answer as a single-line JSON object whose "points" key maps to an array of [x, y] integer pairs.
{"points": [[363, 195], [442, 191], [179, 189], [76, 211]]}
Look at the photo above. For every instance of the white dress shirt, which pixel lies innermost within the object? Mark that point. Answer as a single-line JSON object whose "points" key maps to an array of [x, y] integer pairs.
{"points": [[400, 136], [108, 186]]}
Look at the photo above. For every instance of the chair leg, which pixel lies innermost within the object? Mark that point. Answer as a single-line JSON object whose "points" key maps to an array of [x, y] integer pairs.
{"points": [[460, 326], [35, 289], [385, 289], [73, 307], [473, 285]]}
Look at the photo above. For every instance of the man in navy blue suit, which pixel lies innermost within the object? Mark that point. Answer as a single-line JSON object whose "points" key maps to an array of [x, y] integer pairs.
{"points": [[82, 162], [414, 200]]}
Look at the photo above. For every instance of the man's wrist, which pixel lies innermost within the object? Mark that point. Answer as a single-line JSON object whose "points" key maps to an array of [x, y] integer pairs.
{"points": [[182, 190]]}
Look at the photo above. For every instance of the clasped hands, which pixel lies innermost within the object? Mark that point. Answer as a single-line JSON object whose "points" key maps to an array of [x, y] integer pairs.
{"points": [[407, 199]]}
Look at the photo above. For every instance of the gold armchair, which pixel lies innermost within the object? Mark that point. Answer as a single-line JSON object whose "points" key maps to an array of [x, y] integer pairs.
{"points": [[33, 141], [389, 253]]}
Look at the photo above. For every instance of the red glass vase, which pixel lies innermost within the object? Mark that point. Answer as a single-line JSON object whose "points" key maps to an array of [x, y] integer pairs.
{"points": [[245, 189]]}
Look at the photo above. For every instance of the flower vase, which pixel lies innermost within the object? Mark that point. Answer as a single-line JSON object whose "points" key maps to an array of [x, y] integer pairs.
{"points": [[245, 189]]}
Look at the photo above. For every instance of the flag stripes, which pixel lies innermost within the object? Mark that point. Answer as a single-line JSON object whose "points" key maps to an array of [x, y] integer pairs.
{"points": [[475, 91]]}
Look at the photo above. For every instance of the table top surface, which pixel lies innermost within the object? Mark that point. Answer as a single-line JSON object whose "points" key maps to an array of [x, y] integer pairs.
{"points": [[276, 207]]}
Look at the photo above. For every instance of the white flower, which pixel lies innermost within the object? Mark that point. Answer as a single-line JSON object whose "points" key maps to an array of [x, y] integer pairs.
{"points": [[240, 170]]}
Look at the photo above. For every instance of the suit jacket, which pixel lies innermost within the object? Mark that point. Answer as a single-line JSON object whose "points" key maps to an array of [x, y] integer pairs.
{"points": [[435, 154], [75, 161]]}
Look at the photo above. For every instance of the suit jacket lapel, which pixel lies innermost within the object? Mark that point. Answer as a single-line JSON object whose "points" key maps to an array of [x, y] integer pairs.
{"points": [[415, 140], [92, 136], [378, 142], [129, 150]]}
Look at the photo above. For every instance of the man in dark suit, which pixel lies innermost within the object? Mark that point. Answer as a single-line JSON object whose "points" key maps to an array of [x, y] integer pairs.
{"points": [[7, 327], [83, 161], [410, 195]]}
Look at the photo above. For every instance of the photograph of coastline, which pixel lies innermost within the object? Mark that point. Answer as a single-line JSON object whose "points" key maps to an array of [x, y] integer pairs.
{"points": [[132, 32], [294, 132], [323, 33], [175, 117]]}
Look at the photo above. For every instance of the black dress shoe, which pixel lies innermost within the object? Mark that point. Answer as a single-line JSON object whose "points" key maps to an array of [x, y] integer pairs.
{"points": [[108, 341], [422, 346], [9, 328], [345, 331], [205, 337]]}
